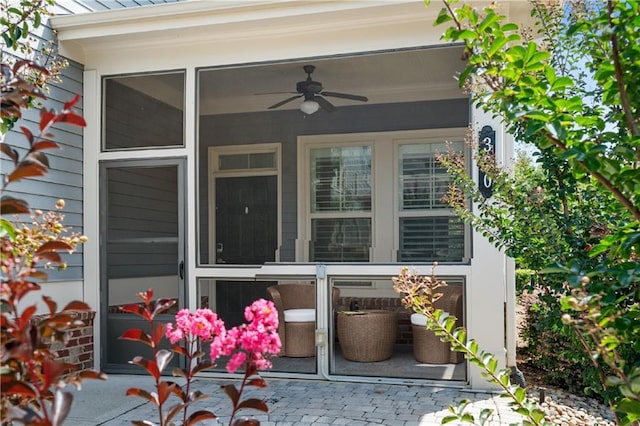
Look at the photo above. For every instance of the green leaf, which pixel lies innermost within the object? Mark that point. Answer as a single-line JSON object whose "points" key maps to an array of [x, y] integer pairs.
{"points": [[443, 17], [467, 35], [7, 229], [9, 42], [487, 21], [561, 83], [510, 26]]}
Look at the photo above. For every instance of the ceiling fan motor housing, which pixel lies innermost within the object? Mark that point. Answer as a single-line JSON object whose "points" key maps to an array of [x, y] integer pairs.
{"points": [[309, 86]]}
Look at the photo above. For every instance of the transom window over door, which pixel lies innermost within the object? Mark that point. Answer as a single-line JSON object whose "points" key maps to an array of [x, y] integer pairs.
{"points": [[379, 200]]}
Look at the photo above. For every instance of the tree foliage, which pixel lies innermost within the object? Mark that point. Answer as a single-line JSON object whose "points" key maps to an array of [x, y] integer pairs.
{"points": [[571, 89]]}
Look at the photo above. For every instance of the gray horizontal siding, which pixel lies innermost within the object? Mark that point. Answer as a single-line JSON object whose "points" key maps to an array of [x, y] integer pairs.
{"points": [[64, 179], [142, 203], [286, 126]]}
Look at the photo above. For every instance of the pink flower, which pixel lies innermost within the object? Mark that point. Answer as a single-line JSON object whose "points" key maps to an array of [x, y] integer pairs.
{"points": [[203, 324], [173, 334], [254, 342], [236, 361]]}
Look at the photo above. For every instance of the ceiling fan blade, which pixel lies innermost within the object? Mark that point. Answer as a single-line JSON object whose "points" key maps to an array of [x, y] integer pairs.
{"points": [[273, 93], [285, 101], [345, 96], [325, 104]]}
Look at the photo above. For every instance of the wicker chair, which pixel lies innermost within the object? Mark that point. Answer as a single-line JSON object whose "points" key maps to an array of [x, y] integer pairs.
{"points": [[296, 304], [427, 347]]}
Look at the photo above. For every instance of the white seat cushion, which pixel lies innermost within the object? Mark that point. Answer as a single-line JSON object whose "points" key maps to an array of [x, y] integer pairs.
{"points": [[300, 315], [418, 319]]}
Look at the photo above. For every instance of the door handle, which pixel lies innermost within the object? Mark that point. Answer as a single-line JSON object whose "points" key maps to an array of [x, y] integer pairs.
{"points": [[181, 269]]}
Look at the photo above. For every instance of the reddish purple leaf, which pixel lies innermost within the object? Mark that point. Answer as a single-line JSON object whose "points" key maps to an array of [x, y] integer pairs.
{"points": [[26, 315], [132, 308], [142, 394], [180, 350], [10, 205], [77, 305], [199, 416], [165, 389], [70, 118], [72, 102], [146, 296], [232, 392], [19, 388], [158, 334], [92, 374], [41, 275], [46, 118], [53, 246], [162, 305], [256, 404], [38, 146], [197, 396], [258, 382], [203, 366], [147, 364], [27, 134], [9, 152], [174, 412], [27, 168], [163, 358], [137, 335], [61, 407], [177, 390], [179, 372], [51, 304], [51, 257], [26, 63]]}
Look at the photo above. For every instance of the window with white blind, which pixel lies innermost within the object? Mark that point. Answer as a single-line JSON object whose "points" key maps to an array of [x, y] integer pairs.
{"points": [[340, 204], [377, 197], [428, 228]]}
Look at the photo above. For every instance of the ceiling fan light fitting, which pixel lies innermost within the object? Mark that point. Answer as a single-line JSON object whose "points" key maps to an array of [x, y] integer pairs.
{"points": [[309, 107]]}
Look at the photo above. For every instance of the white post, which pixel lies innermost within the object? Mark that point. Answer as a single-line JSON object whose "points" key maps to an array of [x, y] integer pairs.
{"points": [[489, 288], [90, 196]]}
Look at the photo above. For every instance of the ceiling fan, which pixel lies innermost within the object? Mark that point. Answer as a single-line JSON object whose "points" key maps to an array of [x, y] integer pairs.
{"points": [[315, 95]]}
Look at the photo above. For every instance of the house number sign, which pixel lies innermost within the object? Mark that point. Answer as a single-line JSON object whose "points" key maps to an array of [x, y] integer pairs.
{"points": [[487, 145]]}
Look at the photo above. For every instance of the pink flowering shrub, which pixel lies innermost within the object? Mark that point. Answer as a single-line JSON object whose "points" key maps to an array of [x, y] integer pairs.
{"points": [[249, 345]]}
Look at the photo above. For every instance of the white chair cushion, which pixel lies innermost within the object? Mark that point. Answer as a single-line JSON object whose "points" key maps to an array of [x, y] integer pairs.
{"points": [[299, 315], [418, 319]]}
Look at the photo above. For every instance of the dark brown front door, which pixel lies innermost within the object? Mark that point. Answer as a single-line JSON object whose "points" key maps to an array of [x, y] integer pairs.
{"points": [[246, 220]]}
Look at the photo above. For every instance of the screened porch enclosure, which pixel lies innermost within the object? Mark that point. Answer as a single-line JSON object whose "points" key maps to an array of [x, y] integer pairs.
{"points": [[355, 183]]}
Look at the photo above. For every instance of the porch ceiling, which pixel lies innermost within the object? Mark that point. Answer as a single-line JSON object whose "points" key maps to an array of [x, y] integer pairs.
{"points": [[404, 76], [392, 77]]}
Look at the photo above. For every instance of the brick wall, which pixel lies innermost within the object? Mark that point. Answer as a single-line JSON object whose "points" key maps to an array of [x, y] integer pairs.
{"points": [[404, 334], [78, 350]]}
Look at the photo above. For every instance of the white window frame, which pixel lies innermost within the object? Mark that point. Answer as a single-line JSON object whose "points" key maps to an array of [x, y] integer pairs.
{"points": [[436, 136], [384, 184]]}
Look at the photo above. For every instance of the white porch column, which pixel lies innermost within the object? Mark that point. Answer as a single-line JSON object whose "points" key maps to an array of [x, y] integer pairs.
{"points": [[90, 196], [489, 283]]}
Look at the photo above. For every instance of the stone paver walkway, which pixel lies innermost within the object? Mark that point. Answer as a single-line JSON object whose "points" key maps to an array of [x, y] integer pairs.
{"points": [[293, 402]]}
